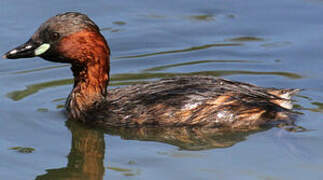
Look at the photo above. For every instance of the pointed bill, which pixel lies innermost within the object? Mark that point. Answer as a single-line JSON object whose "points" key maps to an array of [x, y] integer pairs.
{"points": [[27, 50]]}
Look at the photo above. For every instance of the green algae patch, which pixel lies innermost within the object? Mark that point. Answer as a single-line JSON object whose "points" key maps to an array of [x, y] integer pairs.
{"points": [[22, 149], [129, 174], [119, 169], [232, 16], [34, 88], [136, 173], [131, 162], [59, 99], [246, 38], [120, 23], [42, 110], [204, 17], [318, 107], [60, 106], [126, 172]]}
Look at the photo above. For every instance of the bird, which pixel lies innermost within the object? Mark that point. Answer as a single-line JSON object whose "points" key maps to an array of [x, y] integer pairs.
{"points": [[191, 101]]}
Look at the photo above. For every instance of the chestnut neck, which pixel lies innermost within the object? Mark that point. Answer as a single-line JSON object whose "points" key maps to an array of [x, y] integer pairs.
{"points": [[91, 79], [90, 68]]}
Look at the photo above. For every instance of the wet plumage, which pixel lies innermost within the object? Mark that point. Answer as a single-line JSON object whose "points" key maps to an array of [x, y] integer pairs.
{"points": [[181, 101], [193, 101]]}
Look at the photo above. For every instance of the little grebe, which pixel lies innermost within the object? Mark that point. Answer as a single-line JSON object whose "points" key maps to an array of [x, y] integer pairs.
{"points": [[181, 101]]}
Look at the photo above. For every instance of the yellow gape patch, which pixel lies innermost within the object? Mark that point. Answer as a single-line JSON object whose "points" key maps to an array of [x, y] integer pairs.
{"points": [[42, 49]]}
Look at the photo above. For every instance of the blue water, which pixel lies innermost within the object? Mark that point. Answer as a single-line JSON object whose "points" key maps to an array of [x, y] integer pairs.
{"points": [[268, 43]]}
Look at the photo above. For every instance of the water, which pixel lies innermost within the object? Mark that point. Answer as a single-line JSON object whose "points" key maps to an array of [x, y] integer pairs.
{"points": [[268, 43]]}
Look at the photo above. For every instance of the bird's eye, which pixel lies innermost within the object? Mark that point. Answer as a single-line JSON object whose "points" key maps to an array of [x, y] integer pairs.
{"points": [[55, 36]]}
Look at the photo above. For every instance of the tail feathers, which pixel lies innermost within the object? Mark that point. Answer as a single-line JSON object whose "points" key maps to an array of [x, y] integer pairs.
{"points": [[285, 95]]}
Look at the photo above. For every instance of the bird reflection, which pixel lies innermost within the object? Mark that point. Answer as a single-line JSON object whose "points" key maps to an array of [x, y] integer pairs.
{"points": [[85, 160], [186, 138]]}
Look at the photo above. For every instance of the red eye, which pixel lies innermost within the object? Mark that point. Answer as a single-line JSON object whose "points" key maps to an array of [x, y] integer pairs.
{"points": [[55, 36]]}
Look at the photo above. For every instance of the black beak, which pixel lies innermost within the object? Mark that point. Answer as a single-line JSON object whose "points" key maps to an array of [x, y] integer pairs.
{"points": [[26, 50]]}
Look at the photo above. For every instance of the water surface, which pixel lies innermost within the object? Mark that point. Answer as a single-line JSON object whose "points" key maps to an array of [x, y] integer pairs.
{"points": [[268, 43]]}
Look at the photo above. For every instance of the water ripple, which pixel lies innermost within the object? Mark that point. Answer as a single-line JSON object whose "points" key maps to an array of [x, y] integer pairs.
{"points": [[132, 78], [194, 48]]}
